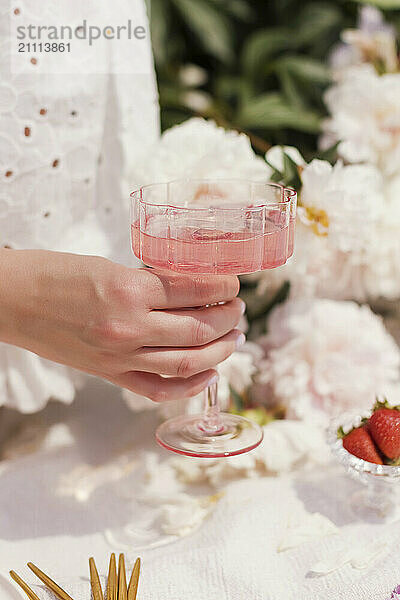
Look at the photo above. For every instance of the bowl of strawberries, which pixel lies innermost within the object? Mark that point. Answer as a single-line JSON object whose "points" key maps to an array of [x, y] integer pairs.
{"points": [[368, 447]]}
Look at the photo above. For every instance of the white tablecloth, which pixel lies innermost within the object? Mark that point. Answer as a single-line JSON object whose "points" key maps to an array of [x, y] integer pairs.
{"points": [[232, 556]]}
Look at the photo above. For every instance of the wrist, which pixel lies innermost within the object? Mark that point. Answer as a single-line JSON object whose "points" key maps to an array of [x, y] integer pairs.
{"points": [[17, 277]]}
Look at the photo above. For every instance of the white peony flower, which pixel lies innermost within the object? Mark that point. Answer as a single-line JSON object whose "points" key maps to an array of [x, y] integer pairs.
{"points": [[316, 269], [381, 270], [325, 357], [288, 444], [365, 118], [199, 148], [236, 372], [340, 201], [374, 41], [52, 380], [346, 235]]}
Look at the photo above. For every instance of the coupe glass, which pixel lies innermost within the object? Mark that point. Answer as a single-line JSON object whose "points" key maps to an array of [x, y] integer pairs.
{"points": [[378, 500], [216, 226]]}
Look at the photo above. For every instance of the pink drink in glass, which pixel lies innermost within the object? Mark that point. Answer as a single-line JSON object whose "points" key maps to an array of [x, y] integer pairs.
{"points": [[292, 220], [192, 250], [235, 227], [216, 227]]}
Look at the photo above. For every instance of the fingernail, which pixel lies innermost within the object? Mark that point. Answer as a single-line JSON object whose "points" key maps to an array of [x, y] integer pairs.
{"points": [[214, 379], [243, 307], [240, 340]]}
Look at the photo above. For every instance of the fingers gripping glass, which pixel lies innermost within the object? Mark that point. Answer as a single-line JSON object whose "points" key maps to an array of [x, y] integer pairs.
{"points": [[212, 227]]}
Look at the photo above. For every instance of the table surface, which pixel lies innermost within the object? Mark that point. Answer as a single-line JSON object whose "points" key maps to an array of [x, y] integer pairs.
{"points": [[232, 556]]}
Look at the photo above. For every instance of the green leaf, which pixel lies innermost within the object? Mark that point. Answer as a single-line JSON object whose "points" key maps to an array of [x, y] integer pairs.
{"points": [[159, 25], [170, 95], [261, 45], [281, 296], [277, 176], [304, 68], [171, 117], [340, 433], [237, 400], [291, 89], [383, 4], [259, 415], [330, 154], [272, 111], [316, 21], [384, 404], [239, 9], [233, 89], [259, 306], [291, 175], [210, 25]]}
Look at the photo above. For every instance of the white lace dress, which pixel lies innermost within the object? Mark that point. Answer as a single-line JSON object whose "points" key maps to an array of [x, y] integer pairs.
{"points": [[66, 143]]}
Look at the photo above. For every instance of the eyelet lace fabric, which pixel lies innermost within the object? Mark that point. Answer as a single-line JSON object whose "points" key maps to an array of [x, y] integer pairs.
{"points": [[66, 143]]}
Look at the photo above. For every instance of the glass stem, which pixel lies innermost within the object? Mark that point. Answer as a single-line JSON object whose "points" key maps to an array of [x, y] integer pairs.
{"points": [[211, 419]]}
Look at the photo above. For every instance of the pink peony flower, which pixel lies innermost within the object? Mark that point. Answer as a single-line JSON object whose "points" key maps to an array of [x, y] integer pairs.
{"points": [[324, 357]]}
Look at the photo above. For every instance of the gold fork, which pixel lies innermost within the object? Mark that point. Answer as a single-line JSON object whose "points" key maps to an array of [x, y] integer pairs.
{"points": [[117, 588], [30, 593], [52, 585], [112, 584], [134, 582], [95, 581], [122, 588]]}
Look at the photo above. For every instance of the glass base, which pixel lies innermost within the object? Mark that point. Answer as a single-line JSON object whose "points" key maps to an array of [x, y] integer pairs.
{"points": [[189, 435]]}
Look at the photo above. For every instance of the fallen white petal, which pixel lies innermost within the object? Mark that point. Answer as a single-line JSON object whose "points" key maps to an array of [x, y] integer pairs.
{"points": [[186, 514], [230, 468], [160, 480], [308, 528], [367, 555], [287, 443], [190, 470], [358, 557], [333, 562], [84, 479]]}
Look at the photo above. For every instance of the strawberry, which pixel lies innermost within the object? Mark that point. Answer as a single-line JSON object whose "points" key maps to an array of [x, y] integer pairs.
{"points": [[359, 443], [384, 426]]}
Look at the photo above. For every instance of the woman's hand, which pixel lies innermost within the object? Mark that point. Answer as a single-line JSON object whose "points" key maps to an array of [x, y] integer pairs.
{"points": [[129, 326]]}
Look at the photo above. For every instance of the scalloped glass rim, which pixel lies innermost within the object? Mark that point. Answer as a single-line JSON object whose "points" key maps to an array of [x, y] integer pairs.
{"points": [[384, 472], [288, 194]]}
